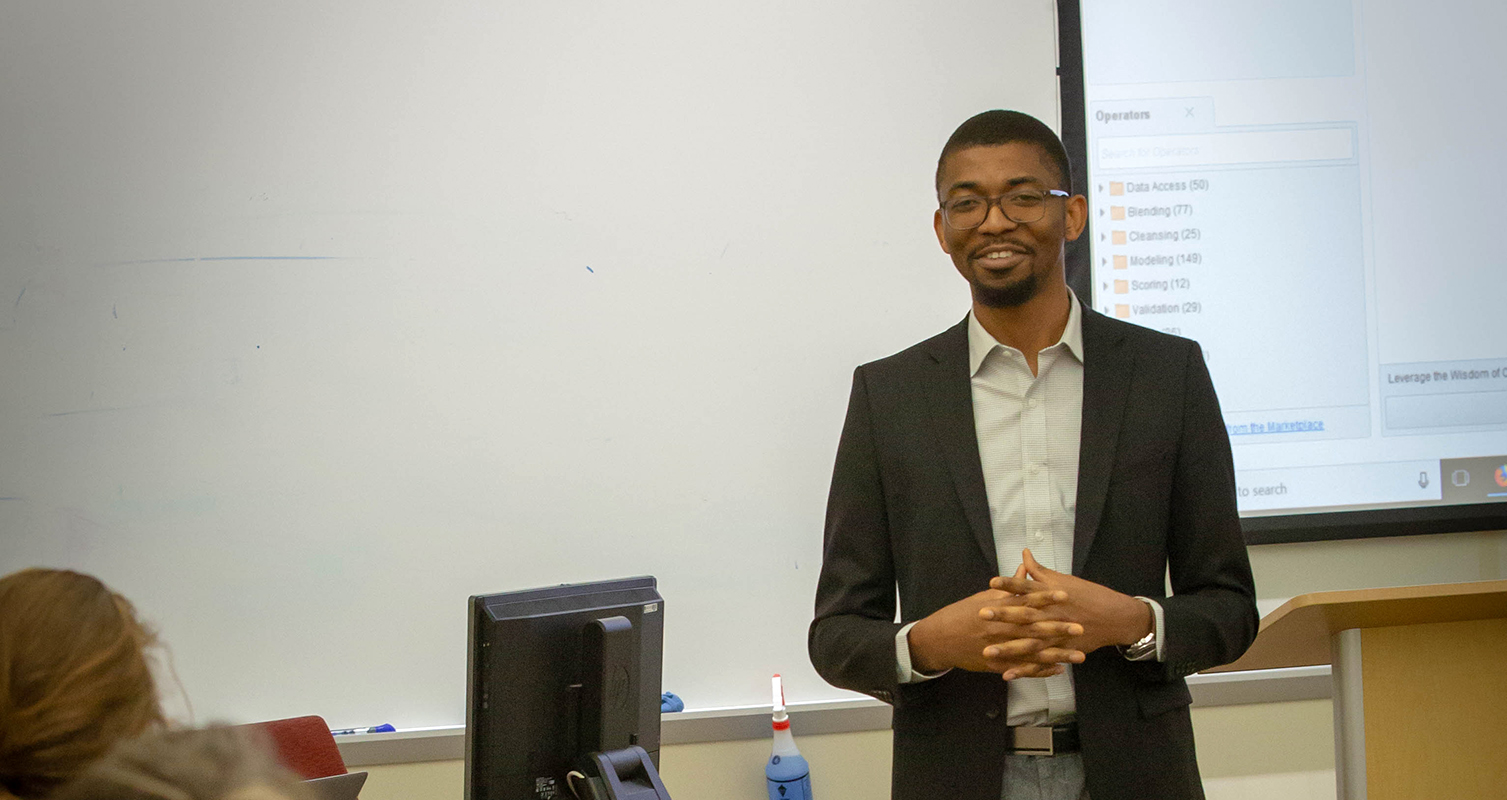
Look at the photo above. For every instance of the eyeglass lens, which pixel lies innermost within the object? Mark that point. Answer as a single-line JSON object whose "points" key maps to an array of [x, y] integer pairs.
{"points": [[964, 213]]}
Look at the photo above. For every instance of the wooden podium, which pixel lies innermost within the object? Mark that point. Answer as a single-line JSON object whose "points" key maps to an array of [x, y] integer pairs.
{"points": [[1420, 684]]}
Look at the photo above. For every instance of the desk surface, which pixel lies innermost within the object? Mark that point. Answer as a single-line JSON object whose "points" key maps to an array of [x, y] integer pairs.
{"points": [[1297, 634]]}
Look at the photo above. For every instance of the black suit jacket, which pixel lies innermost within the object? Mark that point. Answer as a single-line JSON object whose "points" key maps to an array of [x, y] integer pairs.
{"points": [[1156, 496]]}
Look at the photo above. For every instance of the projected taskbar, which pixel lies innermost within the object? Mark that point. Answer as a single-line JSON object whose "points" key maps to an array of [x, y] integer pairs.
{"points": [[1336, 487]]}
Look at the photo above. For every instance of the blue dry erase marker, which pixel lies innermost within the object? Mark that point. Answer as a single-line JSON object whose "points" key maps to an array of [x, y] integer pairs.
{"points": [[787, 774], [383, 728]]}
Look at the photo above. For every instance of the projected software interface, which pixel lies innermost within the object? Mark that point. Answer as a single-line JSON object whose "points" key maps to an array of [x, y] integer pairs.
{"points": [[1305, 189]]}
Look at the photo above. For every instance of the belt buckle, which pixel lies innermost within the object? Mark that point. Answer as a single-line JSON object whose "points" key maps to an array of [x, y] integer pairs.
{"points": [[1033, 740]]}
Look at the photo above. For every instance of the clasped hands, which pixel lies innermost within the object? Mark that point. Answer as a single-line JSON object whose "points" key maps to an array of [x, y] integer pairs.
{"points": [[1029, 625]]}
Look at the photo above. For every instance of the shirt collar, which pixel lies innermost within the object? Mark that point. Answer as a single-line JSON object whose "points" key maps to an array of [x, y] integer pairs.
{"points": [[981, 343]]}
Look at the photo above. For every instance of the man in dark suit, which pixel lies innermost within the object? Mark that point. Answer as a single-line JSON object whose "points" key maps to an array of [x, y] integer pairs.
{"points": [[1028, 481]]}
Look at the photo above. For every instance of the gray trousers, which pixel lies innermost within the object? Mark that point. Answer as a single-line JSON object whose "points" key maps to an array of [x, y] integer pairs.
{"points": [[1044, 778]]}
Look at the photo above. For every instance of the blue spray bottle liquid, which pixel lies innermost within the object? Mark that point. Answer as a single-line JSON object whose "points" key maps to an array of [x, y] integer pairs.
{"points": [[788, 775]]}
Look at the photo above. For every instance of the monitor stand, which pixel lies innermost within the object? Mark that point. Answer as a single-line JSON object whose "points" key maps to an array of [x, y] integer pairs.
{"points": [[625, 774]]}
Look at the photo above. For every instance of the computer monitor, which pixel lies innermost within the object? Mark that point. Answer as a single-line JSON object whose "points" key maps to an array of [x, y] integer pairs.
{"points": [[562, 680]]}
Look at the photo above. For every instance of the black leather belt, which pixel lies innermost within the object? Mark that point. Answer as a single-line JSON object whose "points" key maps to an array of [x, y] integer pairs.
{"points": [[1043, 740]]}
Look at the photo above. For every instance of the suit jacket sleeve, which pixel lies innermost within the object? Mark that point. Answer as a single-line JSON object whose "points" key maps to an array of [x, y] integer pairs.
{"points": [[852, 639], [1211, 618]]}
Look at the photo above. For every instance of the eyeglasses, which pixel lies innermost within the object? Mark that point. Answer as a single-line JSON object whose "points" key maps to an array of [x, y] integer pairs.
{"points": [[1024, 206]]}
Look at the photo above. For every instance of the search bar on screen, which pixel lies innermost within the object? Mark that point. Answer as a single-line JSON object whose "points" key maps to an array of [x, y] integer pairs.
{"points": [[1222, 149]]}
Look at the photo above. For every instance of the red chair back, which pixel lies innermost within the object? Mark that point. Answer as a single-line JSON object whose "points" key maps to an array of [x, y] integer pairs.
{"points": [[304, 745]]}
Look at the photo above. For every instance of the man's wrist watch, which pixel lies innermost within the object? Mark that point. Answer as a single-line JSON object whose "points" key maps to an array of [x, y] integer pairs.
{"points": [[1146, 647]]}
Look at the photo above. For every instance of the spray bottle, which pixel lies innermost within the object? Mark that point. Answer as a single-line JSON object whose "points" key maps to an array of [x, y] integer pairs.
{"points": [[787, 773]]}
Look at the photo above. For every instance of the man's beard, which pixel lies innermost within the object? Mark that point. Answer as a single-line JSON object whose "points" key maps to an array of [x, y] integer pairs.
{"points": [[1010, 296]]}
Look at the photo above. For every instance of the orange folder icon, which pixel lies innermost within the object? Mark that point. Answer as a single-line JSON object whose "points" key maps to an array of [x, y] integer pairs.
{"points": [[1122, 287], [1117, 212], [1122, 311], [1117, 237], [1121, 262], [1116, 187]]}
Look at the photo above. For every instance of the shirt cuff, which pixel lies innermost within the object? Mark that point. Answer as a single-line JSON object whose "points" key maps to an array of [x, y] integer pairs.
{"points": [[903, 669], [1156, 628]]}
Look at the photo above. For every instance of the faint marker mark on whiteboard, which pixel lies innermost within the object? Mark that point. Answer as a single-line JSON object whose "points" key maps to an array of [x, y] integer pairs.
{"points": [[270, 258], [149, 261], [592, 271], [18, 298], [94, 411]]}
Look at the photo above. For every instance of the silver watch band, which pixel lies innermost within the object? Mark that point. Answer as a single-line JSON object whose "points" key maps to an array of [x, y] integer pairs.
{"points": [[1146, 647]]}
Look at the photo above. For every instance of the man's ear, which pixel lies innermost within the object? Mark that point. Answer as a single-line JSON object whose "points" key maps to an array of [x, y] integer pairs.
{"points": [[1077, 216], [937, 224]]}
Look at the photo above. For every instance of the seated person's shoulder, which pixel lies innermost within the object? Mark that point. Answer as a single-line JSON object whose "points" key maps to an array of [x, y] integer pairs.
{"points": [[215, 763]]}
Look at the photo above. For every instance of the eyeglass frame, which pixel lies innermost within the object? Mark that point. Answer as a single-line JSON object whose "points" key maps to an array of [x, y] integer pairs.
{"points": [[996, 200]]}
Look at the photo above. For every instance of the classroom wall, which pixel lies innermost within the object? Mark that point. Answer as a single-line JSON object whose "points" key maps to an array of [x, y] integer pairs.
{"points": [[1285, 570]]}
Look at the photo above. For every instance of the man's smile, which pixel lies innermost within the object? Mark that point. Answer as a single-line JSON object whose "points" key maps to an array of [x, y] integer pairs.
{"points": [[1006, 255]]}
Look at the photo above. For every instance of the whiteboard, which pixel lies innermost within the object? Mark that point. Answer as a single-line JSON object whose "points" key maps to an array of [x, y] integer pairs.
{"points": [[317, 318]]}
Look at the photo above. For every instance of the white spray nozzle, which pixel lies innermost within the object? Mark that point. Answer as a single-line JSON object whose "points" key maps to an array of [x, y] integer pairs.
{"points": [[779, 699]]}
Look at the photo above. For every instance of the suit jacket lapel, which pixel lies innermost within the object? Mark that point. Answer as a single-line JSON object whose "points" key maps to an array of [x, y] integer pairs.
{"points": [[950, 394], [1106, 384]]}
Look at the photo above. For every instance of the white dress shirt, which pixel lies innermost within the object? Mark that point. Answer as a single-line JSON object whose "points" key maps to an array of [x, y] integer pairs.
{"points": [[1028, 428]]}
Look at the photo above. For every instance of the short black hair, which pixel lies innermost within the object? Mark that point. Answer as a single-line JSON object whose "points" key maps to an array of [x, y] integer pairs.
{"points": [[1007, 127]]}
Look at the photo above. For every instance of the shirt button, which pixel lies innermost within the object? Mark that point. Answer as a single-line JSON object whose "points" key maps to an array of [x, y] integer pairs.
{"points": [[1039, 536], [1035, 469], [1032, 403]]}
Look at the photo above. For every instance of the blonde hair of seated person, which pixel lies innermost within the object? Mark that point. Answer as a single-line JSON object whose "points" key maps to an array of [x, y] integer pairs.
{"points": [[74, 678], [216, 763]]}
